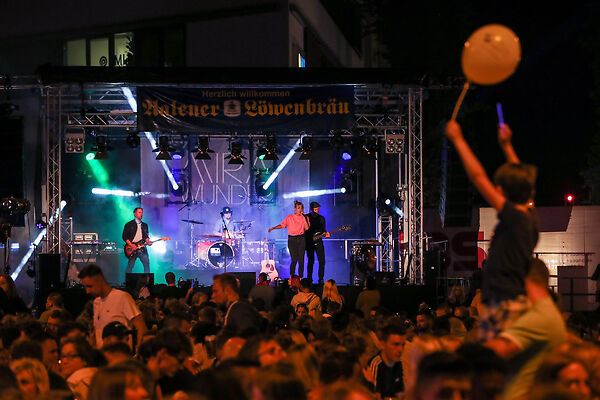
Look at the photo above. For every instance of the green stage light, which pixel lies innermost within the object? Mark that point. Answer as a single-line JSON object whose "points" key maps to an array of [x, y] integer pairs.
{"points": [[90, 156]]}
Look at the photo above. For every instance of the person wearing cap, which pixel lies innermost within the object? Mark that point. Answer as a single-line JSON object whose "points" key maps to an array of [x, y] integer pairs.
{"points": [[317, 225], [223, 224], [115, 332]]}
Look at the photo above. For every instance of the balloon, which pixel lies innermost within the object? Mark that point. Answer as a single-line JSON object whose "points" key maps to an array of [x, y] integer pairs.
{"points": [[491, 54]]}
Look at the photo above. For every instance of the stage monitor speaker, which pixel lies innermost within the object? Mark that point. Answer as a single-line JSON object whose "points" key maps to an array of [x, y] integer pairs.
{"points": [[132, 279], [384, 279], [596, 274], [49, 271], [247, 282]]}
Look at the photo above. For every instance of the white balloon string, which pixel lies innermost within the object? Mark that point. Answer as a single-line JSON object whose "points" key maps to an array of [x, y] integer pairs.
{"points": [[460, 100]]}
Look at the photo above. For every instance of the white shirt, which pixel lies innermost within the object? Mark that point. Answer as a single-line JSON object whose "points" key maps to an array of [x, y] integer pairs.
{"points": [[138, 233], [117, 306]]}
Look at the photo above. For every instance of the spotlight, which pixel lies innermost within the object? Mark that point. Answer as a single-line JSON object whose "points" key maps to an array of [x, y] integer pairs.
{"points": [[102, 147], [371, 146], [259, 183], [346, 156], [235, 156], [163, 149], [271, 148], [203, 149], [569, 198], [133, 140], [337, 140], [305, 148], [348, 181]]}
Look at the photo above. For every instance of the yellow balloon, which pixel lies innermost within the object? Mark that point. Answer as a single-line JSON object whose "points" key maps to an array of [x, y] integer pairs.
{"points": [[491, 54]]}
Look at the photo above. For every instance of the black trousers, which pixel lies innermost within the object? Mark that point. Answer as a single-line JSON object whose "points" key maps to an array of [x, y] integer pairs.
{"points": [[297, 246], [319, 248]]}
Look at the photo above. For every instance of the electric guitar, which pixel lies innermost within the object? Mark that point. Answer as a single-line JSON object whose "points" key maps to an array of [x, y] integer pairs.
{"points": [[268, 266], [130, 250], [320, 235]]}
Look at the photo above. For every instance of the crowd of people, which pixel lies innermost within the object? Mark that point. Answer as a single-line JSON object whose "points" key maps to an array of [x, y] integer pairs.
{"points": [[507, 339], [289, 342]]}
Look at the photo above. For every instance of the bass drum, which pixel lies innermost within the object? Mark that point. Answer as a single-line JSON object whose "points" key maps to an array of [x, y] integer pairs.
{"points": [[220, 255]]}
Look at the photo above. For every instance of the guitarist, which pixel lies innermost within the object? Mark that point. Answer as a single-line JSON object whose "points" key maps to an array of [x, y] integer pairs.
{"points": [[135, 232], [317, 225]]}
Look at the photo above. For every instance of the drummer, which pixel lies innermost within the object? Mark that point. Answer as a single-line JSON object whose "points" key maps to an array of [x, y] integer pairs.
{"points": [[224, 225]]}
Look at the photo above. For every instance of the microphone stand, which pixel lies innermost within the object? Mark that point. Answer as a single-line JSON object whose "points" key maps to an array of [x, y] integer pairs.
{"points": [[226, 234]]}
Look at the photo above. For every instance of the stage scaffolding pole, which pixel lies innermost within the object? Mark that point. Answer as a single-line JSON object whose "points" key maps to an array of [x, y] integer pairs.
{"points": [[415, 185], [52, 143]]}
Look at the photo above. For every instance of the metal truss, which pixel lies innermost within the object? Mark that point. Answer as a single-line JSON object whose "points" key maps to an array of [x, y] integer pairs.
{"points": [[52, 143], [378, 109], [66, 234], [415, 185], [121, 119], [386, 237]]}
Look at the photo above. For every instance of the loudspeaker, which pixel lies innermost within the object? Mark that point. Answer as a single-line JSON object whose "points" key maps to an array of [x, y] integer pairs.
{"points": [[49, 271], [132, 279], [247, 282], [432, 266], [11, 159]]}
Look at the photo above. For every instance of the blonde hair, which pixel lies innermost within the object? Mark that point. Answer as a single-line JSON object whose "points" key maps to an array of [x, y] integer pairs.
{"points": [[36, 369], [330, 291], [305, 362]]}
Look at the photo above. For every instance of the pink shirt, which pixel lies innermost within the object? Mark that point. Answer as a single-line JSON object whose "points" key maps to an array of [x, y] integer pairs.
{"points": [[294, 224]]}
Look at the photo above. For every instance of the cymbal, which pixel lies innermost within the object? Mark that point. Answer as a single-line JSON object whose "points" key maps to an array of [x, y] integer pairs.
{"points": [[191, 221], [241, 221]]}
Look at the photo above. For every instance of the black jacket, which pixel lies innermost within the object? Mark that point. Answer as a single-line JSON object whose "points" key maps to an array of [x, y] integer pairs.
{"points": [[130, 229]]}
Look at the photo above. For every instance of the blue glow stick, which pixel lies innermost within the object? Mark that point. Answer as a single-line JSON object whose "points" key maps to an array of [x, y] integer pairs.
{"points": [[500, 115]]}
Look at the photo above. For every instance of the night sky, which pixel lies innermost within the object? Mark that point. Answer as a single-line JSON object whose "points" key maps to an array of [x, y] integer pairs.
{"points": [[548, 102]]}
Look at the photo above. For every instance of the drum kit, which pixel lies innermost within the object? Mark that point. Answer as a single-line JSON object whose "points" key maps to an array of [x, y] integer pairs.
{"points": [[229, 250]]}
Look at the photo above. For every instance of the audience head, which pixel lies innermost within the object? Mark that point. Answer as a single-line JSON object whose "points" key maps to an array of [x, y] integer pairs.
{"points": [[92, 278], [225, 289], [170, 278], [55, 300], [392, 338], [517, 181], [442, 375], [127, 380], [8, 285], [76, 354], [32, 377]]}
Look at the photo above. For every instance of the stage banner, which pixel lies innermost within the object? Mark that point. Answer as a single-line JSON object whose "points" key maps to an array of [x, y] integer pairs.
{"points": [[255, 109]]}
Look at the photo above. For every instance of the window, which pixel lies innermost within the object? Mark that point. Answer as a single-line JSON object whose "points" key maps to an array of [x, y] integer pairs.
{"points": [[113, 50]]}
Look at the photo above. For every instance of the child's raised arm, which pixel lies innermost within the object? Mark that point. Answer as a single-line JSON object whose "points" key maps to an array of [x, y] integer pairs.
{"points": [[504, 136], [473, 167]]}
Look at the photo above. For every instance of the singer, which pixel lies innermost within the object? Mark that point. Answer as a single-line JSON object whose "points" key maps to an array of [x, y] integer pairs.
{"points": [[223, 224], [296, 224]]}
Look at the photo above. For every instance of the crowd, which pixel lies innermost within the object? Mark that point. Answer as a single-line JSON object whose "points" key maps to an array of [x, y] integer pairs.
{"points": [[505, 340], [289, 342]]}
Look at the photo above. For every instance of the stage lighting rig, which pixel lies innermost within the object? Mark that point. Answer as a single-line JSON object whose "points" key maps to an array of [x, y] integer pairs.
{"points": [[394, 143], [164, 149], [271, 148], [102, 147], [305, 148], [75, 141], [133, 140], [370, 146], [235, 154], [203, 149]]}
